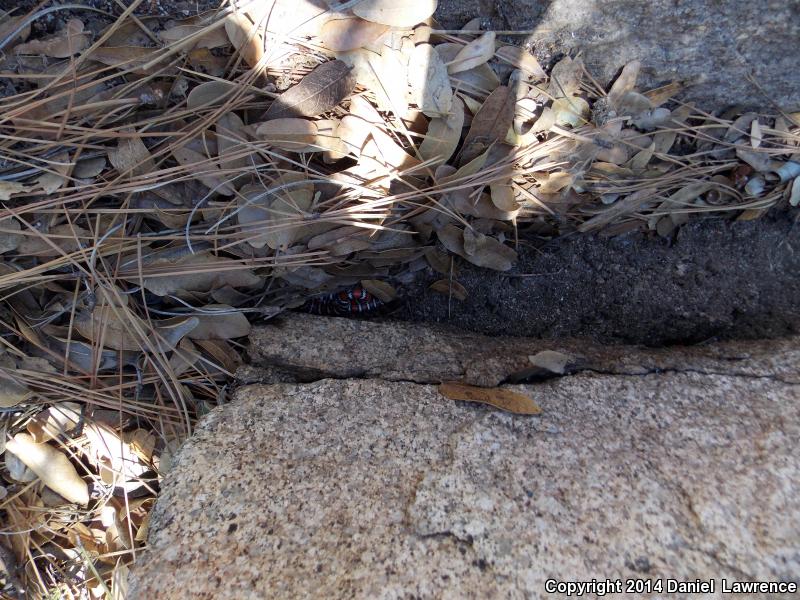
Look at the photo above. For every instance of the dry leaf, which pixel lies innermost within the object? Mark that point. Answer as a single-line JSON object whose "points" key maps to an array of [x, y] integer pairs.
{"points": [[477, 248], [503, 197], [209, 94], [54, 422], [521, 59], [343, 35], [245, 38], [278, 211], [7, 188], [490, 125], [501, 398], [167, 272], [318, 92], [12, 391], [396, 13], [9, 240], [65, 43], [204, 169], [572, 110], [131, 156], [480, 81], [212, 38], [444, 134], [429, 81], [52, 467], [294, 135], [382, 290], [476, 53], [450, 288], [555, 362], [228, 324]]}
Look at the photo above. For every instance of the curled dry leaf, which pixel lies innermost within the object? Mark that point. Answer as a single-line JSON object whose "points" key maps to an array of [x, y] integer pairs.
{"points": [[52, 467], [501, 398], [429, 81], [444, 134], [476, 53], [490, 125], [8, 188], [395, 13], [245, 38], [479, 81], [207, 37], [343, 35], [294, 135], [555, 362], [450, 288], [318, 92]]}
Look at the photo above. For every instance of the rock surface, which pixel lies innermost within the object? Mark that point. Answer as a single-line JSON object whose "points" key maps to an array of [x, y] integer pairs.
{"points": [[368, 488], [717, 44]]}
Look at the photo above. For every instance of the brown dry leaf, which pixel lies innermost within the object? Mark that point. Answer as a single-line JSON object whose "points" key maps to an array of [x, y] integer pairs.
{"points": [[450, 288], [129, 58], [229, 129], [226, 325], [12, 391], [209, 94], [89, 167], [54, 422], [245, 38], [343, 35], [131, 156], [476, 53], [166, 272], [480, 81], [565, 78], [619, 209], [501, 398], [9, 239], [212, 38], [67, 42], [382, 290], [571, 110], [206, 171], [626, 82], [395, 13], [52, 180], [318, 92], [490, 125], [503, 197], [52, 467], [430, 82], [277, 211], [477, 248], [294, 135], [443, 134], [8, 188], [521, 59]]}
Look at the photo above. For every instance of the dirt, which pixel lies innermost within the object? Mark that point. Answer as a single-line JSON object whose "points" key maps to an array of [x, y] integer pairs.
{"points": [[716, 279]]}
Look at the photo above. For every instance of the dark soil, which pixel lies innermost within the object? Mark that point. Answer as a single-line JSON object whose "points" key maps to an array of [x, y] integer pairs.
{"points": [[717, 279]]}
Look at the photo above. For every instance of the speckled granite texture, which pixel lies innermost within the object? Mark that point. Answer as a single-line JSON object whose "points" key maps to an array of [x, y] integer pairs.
{"points": [[366, 488]]}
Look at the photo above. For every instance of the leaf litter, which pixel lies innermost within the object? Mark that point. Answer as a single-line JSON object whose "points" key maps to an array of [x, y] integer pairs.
{"points": [[165, 184]]}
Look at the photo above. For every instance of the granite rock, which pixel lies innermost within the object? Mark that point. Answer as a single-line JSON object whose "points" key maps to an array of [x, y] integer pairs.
{"points": [[718, 45], [368, 488]]}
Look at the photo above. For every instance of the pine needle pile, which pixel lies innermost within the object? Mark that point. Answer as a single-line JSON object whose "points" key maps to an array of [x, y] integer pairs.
{"points": [[164, 183]]}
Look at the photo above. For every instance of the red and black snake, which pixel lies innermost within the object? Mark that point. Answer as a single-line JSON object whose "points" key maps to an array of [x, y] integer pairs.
{"points": [[346, 303]]}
